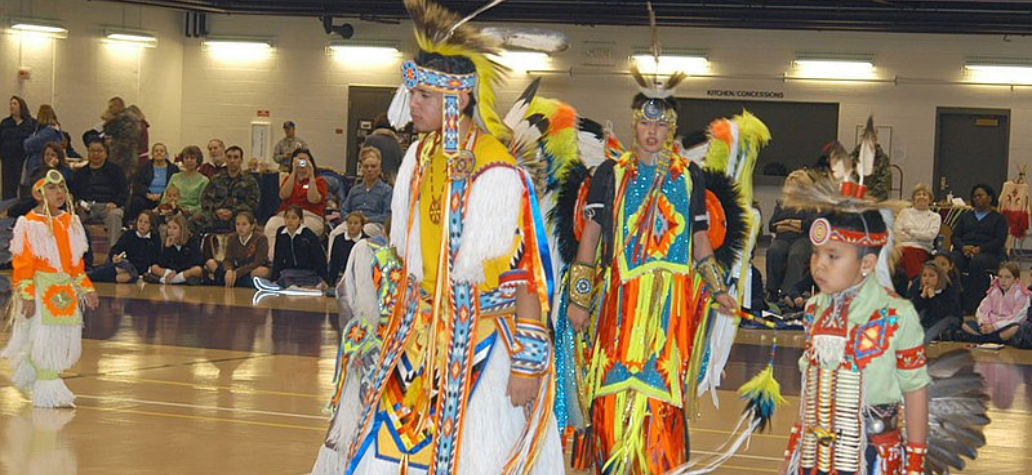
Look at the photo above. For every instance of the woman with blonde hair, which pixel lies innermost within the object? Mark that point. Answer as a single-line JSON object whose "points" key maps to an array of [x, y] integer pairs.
{"points": [[916, 230]]}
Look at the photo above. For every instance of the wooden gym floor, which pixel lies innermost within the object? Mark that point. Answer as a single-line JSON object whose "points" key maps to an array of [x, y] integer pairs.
{"points": [[198, 380]]}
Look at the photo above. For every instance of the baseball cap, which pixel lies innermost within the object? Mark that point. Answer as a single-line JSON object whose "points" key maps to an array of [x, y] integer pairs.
{"points": [[289, 124]]}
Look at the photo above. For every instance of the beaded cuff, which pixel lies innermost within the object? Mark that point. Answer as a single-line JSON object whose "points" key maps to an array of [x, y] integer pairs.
{"points": [[711, 274], [582, 283], [916, 454], [530, 346]]}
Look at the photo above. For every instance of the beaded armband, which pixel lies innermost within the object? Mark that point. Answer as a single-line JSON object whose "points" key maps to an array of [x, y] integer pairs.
{"points": [[582, 283], [711, 274], [530, 346], [80, 285], [916, 454]]}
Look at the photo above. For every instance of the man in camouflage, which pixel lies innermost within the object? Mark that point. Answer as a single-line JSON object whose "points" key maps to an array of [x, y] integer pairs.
{"points": [[230, 191]]}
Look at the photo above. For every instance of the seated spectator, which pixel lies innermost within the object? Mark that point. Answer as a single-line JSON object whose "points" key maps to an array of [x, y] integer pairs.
{"points": [[386, 141], [297, 190], [298, 259], [169, 204], [101, 189], [789, 254], [1004, 308], [151, 180], [342, 240], [189, 181], [371, 196], [945, 261], [216, 158], [48, 129], [247, 256], [978, 240], [180, 261], [797, 295], [69, 149], [53, 159], [135, 252], [935, 298], [916, 230], [230, 192]]}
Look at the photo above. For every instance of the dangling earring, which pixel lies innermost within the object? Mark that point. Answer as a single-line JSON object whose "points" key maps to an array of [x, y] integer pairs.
{"points": [[864, 274]]}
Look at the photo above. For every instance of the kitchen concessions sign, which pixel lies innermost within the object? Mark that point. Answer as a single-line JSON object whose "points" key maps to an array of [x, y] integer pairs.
{"points": [[743, 94]]}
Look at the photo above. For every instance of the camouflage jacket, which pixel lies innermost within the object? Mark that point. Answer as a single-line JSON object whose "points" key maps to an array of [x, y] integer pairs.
{"points": [[238, 193]]}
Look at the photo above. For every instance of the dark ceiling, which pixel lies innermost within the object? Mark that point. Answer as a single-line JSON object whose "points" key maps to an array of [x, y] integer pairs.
{"points": [[908, 16]]}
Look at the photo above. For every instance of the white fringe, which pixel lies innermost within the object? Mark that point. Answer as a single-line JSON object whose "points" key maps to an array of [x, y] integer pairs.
{"points": [[829, 349], [43, 243], [332, 457], [328, 462], [18, 346], [55, 347], [490, 226], [24, 376], [358, 280], [52, 394]]}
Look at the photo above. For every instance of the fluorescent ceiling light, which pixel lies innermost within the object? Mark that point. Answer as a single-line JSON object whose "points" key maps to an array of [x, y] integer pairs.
{"points": [[244, 44], [140, 38], [364, 50], [238, 49], [368, 54], [835, 66], [999, 71], [39, 28], [524, 60], [671, 63]]}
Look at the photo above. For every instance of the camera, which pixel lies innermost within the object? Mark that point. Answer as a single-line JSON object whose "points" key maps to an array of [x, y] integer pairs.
{"points": [[302, 163]]}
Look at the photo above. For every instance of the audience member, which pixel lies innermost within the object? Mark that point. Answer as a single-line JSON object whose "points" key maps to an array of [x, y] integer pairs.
{"points": [[935, 298], [135, 252], [123, 130], [189, 181], [789, 254], [229, 192], [143, 150], [297, 189], [916, 230], [14, 129], [796, 296], [180, 261], [53, 159], [342, 240], [48, 129], [151, 180], [288, 145], [386, 141], [978, 239], [101, 189], [945, 261], [298, 257], [216, 158], [169, 206], [371, 196], [247, 256], [1004, 308], [66, 144]]}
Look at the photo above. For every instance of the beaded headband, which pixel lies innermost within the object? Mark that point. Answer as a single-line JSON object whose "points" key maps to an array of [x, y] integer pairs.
{"points": [[822, 231]]}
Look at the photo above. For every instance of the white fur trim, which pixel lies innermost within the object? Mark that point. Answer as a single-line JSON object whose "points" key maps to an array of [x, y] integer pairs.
{"points": [[52, 394], [491, 223], [358, 280], [400, 198]]}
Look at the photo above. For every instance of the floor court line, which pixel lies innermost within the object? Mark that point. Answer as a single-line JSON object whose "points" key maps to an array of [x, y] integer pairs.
{"points": [[210, 387], [321, 428], [200, 407]]}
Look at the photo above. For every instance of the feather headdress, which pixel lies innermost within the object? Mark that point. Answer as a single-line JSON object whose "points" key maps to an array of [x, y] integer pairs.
{"points": [[655, 100], [442, 32]]}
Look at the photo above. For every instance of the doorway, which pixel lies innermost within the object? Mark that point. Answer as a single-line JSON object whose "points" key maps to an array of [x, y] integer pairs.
{"points": [[364, 104], [971, 147]]}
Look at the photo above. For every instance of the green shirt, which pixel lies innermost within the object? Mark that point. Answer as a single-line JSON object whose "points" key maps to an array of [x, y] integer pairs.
{"points": [[190, 190], [885, 342]]}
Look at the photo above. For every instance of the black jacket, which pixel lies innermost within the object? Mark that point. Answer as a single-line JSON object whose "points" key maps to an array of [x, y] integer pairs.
{"points": [[945, 304], [145, 175], [339, 257], [106, 184], [181, 258], [990, 234], [12, 139], [300, 251]]}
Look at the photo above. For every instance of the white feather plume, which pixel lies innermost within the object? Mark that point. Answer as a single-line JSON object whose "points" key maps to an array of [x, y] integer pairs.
{"points": [[868, 143]]}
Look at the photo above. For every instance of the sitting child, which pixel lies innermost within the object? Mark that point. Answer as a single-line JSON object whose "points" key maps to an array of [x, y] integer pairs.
{"points": [[180, 260], [134, 252], [247, 256], [935, 298], [342, 241], [170, 203], [1004, 308], [299, 259]]}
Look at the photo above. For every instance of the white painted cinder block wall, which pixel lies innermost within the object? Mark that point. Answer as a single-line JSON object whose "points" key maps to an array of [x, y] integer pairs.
{"points": [[190, 95]]}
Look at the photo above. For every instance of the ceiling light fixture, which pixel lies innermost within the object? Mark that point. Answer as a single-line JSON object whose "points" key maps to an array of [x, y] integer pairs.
{"points": [[834, 66], [689, 62], [999, 70], [38, 27], [131, 37]]}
